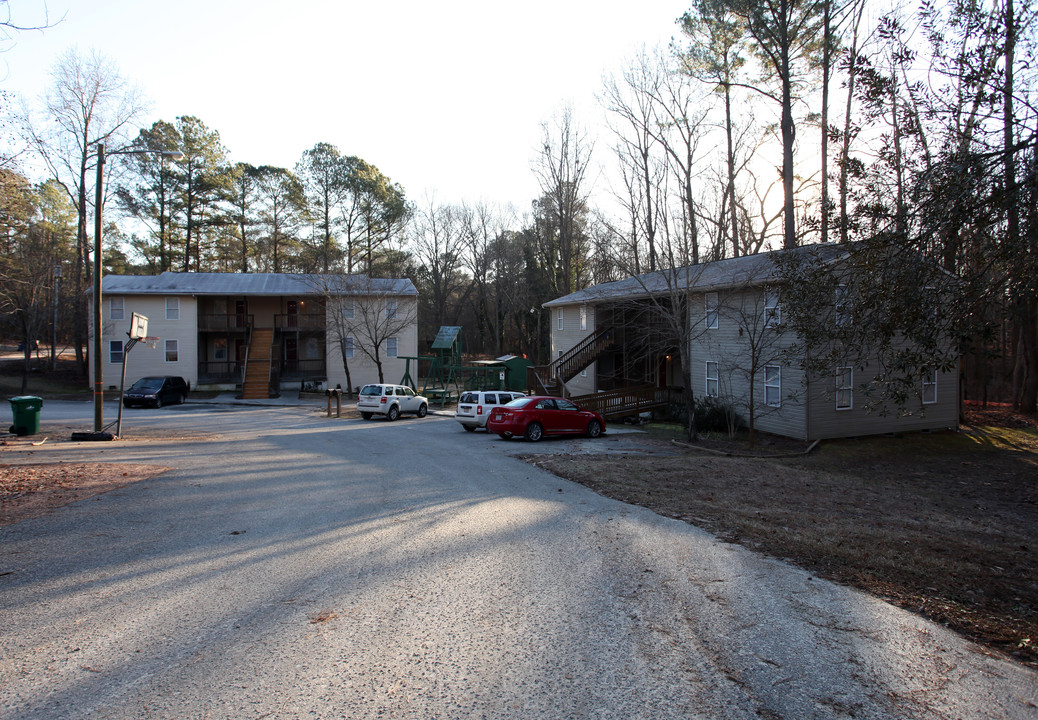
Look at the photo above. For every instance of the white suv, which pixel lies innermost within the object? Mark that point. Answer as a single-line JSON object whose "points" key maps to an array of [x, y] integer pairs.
{"points": [[391, 401], [474, 407]]}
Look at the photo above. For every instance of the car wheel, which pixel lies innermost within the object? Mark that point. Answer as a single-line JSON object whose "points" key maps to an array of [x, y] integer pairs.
{"points": [[594, 429], [366, 416], [158, 402], [534, 432], [470, 428], [183, 399], [393, 414], [423, 410]]}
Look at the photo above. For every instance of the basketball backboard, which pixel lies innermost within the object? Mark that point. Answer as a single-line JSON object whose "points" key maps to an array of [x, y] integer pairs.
{"points": [[138, 327]]}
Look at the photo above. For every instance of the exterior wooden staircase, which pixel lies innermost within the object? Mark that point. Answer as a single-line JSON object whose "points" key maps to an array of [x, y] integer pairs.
{"points": [[257, 369], [625, 402], [546, 378]]}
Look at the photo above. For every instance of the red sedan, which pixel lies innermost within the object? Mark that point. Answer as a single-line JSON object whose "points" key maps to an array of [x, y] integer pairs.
{"points": [[535, 417]]}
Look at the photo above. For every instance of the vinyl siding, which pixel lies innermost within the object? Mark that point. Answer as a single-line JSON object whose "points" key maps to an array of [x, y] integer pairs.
{"points": [[143, 360], [362, 369], [567, 338], [828, 422]]}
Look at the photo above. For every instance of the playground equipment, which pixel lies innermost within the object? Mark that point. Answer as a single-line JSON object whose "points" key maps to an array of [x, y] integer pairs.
{"points": [[448, 376]]}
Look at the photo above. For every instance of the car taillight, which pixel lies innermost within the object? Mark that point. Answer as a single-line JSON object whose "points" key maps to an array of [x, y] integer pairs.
{"points": [[479, 409], [383, 401]]}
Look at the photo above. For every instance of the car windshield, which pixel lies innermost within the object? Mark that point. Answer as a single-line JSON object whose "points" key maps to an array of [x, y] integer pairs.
{"points": [[147, 384], [371, 390]]}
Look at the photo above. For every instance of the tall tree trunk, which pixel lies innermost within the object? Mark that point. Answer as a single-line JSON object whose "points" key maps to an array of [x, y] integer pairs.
{"points": [[826, 69]]}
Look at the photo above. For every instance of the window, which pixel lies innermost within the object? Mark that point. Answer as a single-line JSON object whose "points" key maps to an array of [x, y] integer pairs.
{"points": [[347, 347], [173, 308], [116, 309], [391, 347], [561, 319], [710, 302], [390, 308], [840, 306], [844, 388], [583, 317], [772, 309], [712, 384], [929, 387], [773, 386], [172, 350], [220, 349], [115, 352], [347, 309]]}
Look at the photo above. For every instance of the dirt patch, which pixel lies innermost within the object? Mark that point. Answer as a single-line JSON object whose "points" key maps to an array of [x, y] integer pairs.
{"points": [[28, 491], [942, 524]]}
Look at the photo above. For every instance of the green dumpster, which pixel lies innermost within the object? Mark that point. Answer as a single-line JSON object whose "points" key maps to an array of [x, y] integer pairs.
{"points": [[26, 410]]}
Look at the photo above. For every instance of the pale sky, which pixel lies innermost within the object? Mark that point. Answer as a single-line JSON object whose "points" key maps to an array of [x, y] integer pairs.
{"points": [[446, 98]]}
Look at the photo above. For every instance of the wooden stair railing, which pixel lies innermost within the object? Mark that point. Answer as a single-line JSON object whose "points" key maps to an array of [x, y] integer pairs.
{"points": [[257, 369], [624, 402]]}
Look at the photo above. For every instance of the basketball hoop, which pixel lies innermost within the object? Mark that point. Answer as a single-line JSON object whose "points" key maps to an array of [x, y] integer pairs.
{"points": [[152, 342], [138, 327]]}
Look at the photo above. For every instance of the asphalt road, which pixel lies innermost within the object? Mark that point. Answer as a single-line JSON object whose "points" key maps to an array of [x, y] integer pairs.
{"points": [[291, 566]]}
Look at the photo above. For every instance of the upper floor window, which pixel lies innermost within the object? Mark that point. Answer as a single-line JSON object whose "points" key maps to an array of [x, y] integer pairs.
{"points": [[929, 387], [840, 311], [390, 308], [172, 308], [391, 347], [583, 317], [710, 302], [773, 385], [561, 319], [347, 308], [713, 385], [844, 388], [116, 308], [772, 309]]}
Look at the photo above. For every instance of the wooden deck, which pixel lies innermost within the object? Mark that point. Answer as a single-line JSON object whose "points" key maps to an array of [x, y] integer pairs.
{"points": [[616, 404]]}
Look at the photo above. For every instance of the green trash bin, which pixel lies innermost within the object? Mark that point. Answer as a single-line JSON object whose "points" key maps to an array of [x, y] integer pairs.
{"points": [[26, 410]]}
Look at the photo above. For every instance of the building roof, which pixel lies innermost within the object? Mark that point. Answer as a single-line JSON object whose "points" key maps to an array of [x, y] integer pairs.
{"points": [[200, 283], [718, 275]]}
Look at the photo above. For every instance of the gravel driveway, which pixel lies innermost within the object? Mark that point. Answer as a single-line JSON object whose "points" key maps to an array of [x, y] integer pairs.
{"points": [[292, 566]]}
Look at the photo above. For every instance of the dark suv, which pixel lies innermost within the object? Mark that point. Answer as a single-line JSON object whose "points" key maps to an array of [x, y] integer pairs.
{"points": [[157, 391]]}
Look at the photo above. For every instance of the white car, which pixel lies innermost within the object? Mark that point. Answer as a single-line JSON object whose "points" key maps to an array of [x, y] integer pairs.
{"points": [[391, 401], [474, 407]]}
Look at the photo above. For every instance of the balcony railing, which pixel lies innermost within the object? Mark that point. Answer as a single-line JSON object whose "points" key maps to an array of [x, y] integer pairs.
{"points": [[306, 322], [303, 370], [225, 322], [218, 371]]}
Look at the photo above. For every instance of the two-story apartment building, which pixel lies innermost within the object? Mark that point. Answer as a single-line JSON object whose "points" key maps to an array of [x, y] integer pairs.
{"points": [[738, 348], [214, 329]]}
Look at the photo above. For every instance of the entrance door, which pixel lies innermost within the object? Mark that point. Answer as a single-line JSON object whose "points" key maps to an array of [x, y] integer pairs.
{"points": [[291, 354], [241, 314], [293, 313]]}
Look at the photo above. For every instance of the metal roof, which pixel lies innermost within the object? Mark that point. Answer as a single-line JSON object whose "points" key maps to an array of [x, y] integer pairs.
{"points": [[199, 283], [732, 272]]}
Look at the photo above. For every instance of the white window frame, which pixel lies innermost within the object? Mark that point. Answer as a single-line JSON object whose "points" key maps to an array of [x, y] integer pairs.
{"points": [[174, 347], [116, 308], [392, 347], [844, 388], [930, 387], [840, 306], [710, 307], [773, 382], [715, 379], [115, 348], [561, 319], [583, 317], [348, 347], [172, 308], [348, 309], [772, 309], [391, 308]]}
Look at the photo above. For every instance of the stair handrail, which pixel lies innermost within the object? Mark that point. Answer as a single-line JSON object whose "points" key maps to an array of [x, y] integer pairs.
{"points": [[556, 366]]}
